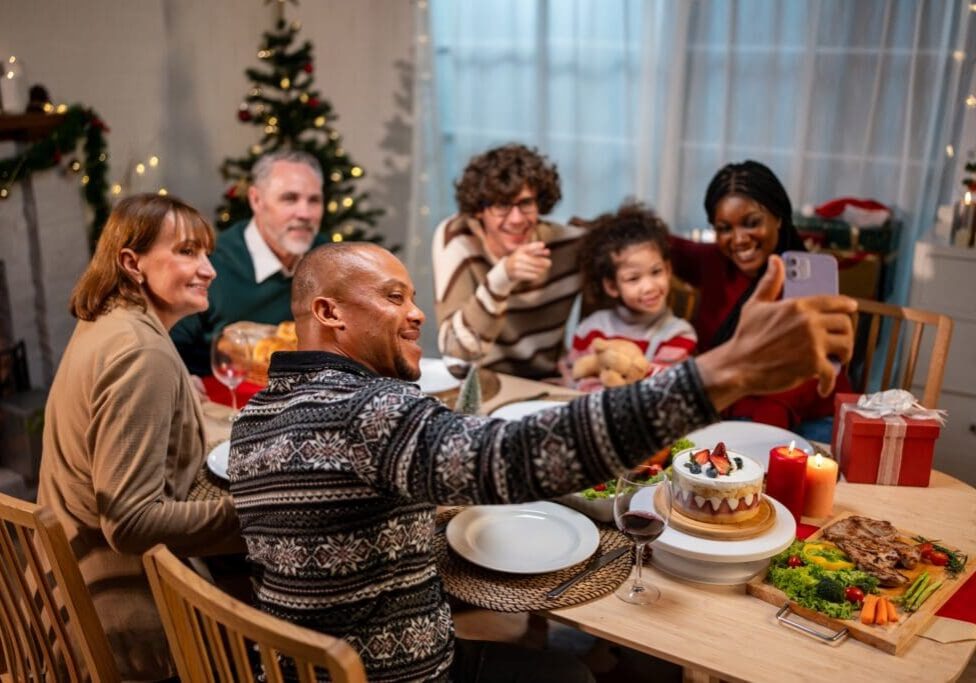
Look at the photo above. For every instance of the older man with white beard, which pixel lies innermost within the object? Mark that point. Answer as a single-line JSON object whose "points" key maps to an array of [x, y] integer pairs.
{"points": [[255, 260]]}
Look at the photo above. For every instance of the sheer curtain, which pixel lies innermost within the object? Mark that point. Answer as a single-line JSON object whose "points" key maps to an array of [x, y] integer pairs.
{"points": [[649, 98]]}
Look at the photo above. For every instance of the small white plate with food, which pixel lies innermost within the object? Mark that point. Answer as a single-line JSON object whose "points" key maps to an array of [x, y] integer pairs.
{"points": [[434, 376]]}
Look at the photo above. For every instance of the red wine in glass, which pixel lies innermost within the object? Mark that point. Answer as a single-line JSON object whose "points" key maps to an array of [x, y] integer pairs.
{"points": [[642, 526]]}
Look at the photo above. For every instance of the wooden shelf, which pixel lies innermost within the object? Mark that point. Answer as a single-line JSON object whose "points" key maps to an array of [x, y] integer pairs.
{"points": [[28, 127]]}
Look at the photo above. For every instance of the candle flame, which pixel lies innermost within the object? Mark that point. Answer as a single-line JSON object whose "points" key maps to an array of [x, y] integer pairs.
{"points": [[789, 453], [968, 198], [818, 461]]}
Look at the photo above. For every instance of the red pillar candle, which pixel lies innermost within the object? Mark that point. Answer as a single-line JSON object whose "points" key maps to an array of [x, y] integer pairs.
{"points": [[786, 478]]}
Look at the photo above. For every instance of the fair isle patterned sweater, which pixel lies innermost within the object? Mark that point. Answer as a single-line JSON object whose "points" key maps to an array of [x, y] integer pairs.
{"points": [[335, 473]]}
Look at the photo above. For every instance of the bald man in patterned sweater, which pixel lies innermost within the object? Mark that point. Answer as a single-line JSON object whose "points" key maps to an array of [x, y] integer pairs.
{"points": [[504, 280], [336, 467]]}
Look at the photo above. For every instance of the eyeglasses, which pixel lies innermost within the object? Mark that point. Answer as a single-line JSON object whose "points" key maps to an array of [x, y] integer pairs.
{"points": [[527, 207]]}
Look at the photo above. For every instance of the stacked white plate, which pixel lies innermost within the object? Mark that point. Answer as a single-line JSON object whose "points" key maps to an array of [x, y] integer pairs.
{"points": [[712, 561]]}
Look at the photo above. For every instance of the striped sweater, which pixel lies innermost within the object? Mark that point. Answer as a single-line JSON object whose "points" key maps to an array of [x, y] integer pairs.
{"points": [[521, 324], [336, 472]]}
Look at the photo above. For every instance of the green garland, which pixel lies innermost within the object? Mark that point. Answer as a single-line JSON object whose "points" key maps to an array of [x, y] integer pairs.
{"points": [[79, 123]]}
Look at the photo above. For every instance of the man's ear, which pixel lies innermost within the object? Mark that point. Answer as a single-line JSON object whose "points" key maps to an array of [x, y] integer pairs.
{"points": [[129, 261], [328, 313], [610, 287], [253, 198]]}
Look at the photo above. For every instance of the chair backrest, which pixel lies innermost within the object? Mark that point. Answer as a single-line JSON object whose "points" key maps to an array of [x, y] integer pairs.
{"points": [[903, 328], [683, 299], [214, 636], [49, 630]]}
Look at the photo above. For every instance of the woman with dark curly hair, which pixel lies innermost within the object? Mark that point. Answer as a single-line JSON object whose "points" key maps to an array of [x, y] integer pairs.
{"points": [[752, 216], [504, 280], [626, 265]]}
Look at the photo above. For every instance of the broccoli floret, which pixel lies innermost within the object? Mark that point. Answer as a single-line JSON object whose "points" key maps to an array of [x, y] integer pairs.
{"points": [[830, 590]]}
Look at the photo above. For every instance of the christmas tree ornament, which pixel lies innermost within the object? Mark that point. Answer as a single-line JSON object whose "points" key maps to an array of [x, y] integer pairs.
{"points": [[469, 396], [308, 68]]}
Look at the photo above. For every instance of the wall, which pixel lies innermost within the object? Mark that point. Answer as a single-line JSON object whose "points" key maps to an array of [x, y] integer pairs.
{"points": [[168, 76]]}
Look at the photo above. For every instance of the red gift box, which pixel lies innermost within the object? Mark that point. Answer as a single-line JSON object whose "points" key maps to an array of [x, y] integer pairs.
{"points": [[861, 450]]}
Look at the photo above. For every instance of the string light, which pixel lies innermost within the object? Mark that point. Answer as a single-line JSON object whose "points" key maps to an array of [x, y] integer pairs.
{"points": [[334, 135], [225, 216], [340, 152], [4, 193], [256, 149], [272, 120], [303, 98], [335, 176], [971, 101], [48, 107], [75, 165], [84, 180], [319, 121], [140, 168], [332, 206], [163, 191], [285, 83], [355, 171], [336, 237], [154, 161], [347, 202], [950, 151], [958, 55], [62, 108], [116, 189], [103, 157], [269, 129]]}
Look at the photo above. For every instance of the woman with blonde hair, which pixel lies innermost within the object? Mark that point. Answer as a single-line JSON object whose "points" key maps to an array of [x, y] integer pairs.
{"points": [[123, 428]]}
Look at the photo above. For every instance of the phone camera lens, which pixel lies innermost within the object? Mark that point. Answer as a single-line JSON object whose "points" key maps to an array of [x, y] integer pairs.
{"points": [[792, 273]]}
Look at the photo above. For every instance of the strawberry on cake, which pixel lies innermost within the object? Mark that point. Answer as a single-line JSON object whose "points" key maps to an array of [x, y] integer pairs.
{"points": [[714, 486]]}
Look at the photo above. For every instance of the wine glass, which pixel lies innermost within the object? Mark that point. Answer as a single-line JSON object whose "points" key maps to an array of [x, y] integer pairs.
{"points": [[230, 360], [461, 352], [641, 508]]}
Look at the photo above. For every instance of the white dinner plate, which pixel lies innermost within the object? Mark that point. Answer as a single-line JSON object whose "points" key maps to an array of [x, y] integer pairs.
{"points": [[217, 459], [519, 409], [522, 539], [749, 438], [434, 376]]}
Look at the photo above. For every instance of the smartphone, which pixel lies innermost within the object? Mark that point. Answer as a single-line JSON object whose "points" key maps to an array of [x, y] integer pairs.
{"points": [[809, 274]]}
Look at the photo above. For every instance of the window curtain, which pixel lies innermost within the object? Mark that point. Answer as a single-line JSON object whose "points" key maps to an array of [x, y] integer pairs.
{"points": [[648, 98]]}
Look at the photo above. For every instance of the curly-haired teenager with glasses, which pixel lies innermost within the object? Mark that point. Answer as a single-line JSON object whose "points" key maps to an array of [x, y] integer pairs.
{"points": [[502, 276]]}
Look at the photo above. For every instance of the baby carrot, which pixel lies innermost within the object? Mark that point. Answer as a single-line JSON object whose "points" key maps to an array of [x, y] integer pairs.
{"points": [[869, 609], [892, 611], [881, 612]]}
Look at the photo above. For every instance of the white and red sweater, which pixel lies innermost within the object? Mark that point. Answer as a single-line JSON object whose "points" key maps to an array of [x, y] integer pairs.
{"points": [[665, 339]]}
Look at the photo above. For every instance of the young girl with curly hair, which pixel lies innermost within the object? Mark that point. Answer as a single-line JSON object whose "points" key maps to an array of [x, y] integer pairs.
{"points": [[625, 261]]}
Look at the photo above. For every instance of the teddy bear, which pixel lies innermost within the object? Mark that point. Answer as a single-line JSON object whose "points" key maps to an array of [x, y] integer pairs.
{"points": [[615, 361]]}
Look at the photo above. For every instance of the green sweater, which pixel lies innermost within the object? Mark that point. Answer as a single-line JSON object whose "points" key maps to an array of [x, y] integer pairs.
{"points": [[234, 296]]}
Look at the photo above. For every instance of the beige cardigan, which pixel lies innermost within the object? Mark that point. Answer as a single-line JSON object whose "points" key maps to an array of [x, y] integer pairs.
{"points": [[123, 440]]}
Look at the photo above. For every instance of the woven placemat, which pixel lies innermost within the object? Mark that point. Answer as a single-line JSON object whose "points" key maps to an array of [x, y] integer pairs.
{"points": [[207, 485], [491, 384], [504, 592]]}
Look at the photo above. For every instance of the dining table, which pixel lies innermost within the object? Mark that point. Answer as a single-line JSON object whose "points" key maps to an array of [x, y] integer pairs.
{"points": [[718, 632]]}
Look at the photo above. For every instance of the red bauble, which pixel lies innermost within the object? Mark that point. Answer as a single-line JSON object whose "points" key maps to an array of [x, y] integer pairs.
{"points": [[308, 68], [56, 157], [313, 101], [231, 192], [98, 123], [971, 186], [244, 115]]}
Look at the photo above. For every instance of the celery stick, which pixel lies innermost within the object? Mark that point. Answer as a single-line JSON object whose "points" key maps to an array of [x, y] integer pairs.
{"points": [[924, 595], [917, 587]]}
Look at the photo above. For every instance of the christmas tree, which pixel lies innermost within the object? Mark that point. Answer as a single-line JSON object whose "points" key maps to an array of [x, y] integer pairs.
{"points": [[291, 114]]}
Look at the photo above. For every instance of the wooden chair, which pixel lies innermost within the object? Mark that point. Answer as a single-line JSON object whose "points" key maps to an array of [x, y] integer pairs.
{"points": [[683, 299], [876, 323], [49, 630], [212, 635]]}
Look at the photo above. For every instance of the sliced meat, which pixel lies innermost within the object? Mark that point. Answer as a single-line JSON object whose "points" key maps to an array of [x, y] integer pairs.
{"points": [[865, 551], [909, 555], [861, 527]]}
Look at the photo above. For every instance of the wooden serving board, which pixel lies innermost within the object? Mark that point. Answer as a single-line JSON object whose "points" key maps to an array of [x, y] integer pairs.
{"points": [[891, 638], [763, 521]]}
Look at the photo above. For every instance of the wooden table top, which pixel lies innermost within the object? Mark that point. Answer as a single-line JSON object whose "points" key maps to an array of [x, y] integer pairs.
{"points": [[722, 632]]}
